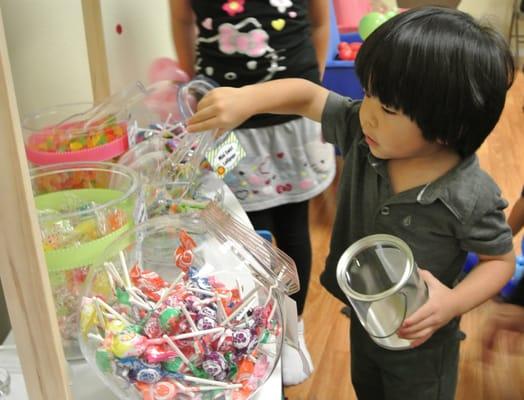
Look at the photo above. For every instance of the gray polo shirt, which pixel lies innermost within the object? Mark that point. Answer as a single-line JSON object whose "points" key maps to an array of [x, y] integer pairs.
{"points": [[459, 212]]}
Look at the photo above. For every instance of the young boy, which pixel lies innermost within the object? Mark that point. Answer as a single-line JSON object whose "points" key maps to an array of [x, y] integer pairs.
{"points": [[435, 83]]}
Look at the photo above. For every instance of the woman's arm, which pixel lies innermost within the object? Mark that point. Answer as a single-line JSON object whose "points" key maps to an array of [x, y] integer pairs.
{"points": [[184, 34], [319, 17], [225, 108]]}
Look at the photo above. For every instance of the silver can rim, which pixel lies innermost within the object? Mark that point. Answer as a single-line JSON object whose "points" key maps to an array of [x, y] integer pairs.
{"points": [[365, 243]]}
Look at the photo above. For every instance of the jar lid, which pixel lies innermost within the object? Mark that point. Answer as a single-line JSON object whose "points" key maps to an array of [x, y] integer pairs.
{"points": [[271, 266]]}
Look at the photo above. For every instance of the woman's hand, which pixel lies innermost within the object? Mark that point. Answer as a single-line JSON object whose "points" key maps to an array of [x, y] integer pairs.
{"points": [[221, 109], [435, 313]]}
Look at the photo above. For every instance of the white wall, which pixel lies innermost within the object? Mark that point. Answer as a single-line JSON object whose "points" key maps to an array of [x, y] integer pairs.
{"points": [[48, 54], [47, 51], [146, 35], [497, 12], [46, 44]]}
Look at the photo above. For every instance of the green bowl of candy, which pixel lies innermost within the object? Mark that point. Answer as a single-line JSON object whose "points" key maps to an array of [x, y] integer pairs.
{"points": [[82, 208]]}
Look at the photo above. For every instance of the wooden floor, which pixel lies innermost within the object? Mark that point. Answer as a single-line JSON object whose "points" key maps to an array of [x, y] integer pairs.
{"points": [[327, 329]]}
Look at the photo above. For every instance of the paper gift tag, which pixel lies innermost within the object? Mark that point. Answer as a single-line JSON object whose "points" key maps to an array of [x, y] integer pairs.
{"points": [[226, 155]]}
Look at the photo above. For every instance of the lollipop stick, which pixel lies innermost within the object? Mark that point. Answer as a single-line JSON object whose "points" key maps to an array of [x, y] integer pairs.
{"points": [[124, 269], [169, 289], [216, 384], [111, 269], [206, 292], [240, 307], [139, 299], [93, 336], [208, 388], [176, 349], [111, 310], [198, 333], [188, 317], [99, 314]]}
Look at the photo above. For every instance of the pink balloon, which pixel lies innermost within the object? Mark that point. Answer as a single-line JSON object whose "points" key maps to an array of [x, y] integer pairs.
{"points": [[164, 68], [164, 102]]}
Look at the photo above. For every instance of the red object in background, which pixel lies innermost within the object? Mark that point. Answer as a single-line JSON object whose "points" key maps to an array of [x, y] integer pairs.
{"points": [[118, 29], [342, 45], [348, 51], [355, 46], [346, 54]]}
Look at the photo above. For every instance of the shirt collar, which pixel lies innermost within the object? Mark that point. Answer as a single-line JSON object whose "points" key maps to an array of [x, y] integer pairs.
{"points": [[453, 188]]}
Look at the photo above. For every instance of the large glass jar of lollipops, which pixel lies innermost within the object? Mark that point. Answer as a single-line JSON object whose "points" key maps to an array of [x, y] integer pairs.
{"points": [[186, 306]]}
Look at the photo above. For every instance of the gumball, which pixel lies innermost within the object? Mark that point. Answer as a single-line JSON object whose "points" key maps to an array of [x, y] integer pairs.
{"points": [[369, 23]]}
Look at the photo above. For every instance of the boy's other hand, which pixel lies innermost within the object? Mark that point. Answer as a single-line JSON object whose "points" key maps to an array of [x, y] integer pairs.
{"points": [[507, 317], [221, 109], [435, 313]]}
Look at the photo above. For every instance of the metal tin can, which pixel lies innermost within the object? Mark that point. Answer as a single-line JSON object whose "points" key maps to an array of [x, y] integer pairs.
{"points": [[379, 276]]}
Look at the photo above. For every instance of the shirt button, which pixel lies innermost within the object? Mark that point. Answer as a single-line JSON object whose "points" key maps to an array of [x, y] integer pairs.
{"points": [[385, 210]]}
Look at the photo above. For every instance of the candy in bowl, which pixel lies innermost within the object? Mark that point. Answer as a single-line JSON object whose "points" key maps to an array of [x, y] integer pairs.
{"points": [[82, 207], [186, 306]]}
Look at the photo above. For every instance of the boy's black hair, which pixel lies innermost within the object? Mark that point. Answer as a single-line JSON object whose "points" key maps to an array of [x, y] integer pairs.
{"points": [[442, 69]]}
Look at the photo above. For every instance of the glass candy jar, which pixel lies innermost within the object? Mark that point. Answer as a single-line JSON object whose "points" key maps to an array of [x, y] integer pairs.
{"points": [[179, 308], [81, 207], [169, 162], [72, 132]]}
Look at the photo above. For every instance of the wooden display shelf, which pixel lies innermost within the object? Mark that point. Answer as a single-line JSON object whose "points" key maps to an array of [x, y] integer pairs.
{"points": [[23, 271]]}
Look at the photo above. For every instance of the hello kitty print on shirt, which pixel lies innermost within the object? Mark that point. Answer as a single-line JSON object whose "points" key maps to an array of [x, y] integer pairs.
{"points": [[254, 44]]}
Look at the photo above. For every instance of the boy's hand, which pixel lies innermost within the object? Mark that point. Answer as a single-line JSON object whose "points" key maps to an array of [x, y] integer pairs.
{"points": [[508, 317], [435, 313], [221, 109]]}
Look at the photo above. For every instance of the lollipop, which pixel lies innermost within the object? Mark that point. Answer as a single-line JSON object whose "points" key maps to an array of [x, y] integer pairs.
{"points": [[194, 335]]}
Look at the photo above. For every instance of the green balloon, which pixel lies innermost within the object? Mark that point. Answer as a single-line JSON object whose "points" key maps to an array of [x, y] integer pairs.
{"points": [[390, 14], [369, 23]]}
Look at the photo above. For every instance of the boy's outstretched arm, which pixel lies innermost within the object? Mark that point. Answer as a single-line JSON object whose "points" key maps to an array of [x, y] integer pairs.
{"points": [[225, 108], [444, 304]]}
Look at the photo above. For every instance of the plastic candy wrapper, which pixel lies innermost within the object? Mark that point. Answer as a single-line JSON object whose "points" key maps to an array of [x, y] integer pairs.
{"points": [[179, 309], [78, 218]]}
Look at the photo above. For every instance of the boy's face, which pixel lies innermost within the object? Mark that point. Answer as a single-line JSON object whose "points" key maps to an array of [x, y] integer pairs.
{"points": [[390, 134]]}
